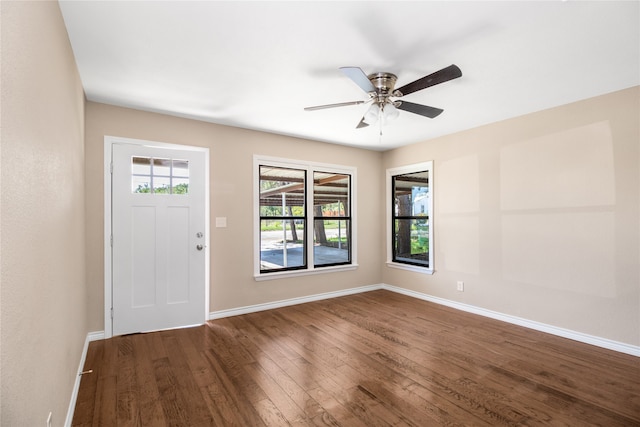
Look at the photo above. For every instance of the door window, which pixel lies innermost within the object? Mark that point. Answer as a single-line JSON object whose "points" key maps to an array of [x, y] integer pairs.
{"points": [[150, 175]]}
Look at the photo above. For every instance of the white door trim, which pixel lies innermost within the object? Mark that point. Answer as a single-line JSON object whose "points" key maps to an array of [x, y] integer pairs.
{"points": [[108, 144]]}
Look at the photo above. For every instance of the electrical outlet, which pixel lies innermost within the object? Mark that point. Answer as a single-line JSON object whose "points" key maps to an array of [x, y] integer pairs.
{"points": [[49, 418], [460, 286]]}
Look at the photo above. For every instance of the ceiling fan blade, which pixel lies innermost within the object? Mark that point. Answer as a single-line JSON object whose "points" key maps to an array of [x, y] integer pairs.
{"points": [[340, 104], [423, 110], [449, 73], [359, 77], [362, 124]]}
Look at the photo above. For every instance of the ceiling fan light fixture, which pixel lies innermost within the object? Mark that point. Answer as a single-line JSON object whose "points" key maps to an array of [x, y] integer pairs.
{"points": [[390, 112], [371, 116]]}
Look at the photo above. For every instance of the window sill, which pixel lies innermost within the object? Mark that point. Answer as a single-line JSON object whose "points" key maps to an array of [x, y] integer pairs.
{"points": [[299, 273], [408, 267]]}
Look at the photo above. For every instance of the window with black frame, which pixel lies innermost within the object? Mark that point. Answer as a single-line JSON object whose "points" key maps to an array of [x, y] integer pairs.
{"points": [[283, 219], [332, 218], [411, 202], [305, 218]]}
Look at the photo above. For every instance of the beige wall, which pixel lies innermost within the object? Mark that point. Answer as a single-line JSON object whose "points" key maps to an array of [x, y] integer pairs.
{"points": [[231, 159], [540, 216], [43, 294]]}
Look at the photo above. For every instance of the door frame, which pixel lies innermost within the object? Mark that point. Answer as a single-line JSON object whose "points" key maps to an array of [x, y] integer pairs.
{"points": [[109, 141]]}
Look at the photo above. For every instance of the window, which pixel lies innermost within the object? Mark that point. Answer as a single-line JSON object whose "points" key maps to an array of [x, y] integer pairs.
{"points": [[410, 224], [283, 219], [152, 175], [304, 217], [332, 222]]}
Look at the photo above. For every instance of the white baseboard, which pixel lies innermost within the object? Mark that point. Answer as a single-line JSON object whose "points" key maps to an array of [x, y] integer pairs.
{"points": [[554, 330], [293, 301], [91, 336]]}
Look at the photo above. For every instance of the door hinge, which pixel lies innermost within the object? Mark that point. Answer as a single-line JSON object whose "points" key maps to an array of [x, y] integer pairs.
{"points": [[111, 167], [111, 240], [111, 313]]}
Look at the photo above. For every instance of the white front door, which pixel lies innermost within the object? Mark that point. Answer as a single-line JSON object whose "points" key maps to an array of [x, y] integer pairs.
{"points": [[159, 250]]}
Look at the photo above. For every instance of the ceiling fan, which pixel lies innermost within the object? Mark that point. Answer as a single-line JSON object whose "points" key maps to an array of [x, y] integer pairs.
{"points": [[380, 88]]}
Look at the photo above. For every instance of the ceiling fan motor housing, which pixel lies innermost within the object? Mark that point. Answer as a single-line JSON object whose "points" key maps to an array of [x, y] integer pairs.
{"points": [[384, 84]]}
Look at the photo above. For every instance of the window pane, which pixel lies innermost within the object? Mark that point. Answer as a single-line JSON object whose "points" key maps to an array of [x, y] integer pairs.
{"points": [[180, 186], [141, 184], [282, 245], [161, 167], [282, 191], [411, 194], [331, 243], [161, 185], [141, 166], [331, 194], [411, 241], [180, 168]]}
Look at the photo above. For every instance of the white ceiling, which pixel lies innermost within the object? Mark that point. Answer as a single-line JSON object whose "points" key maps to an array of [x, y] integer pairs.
{"points": [[256, 65]]}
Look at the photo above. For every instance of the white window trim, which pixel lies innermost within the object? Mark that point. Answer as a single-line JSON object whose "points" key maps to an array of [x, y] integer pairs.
{"points": [[310, 167], [401, 170]]}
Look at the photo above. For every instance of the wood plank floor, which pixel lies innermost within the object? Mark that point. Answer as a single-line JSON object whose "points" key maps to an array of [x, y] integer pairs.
{"points": [[372, 359]]}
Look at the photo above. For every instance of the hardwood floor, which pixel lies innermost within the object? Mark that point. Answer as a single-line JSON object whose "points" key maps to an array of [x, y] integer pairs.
{"points": [[372, 359]]}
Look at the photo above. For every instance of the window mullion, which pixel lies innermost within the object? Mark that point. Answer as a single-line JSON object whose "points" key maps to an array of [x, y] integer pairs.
{"points": [[310, 226]]}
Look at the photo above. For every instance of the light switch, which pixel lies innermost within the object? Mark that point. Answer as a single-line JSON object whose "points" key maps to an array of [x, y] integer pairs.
{"points": [[221, 222]]}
